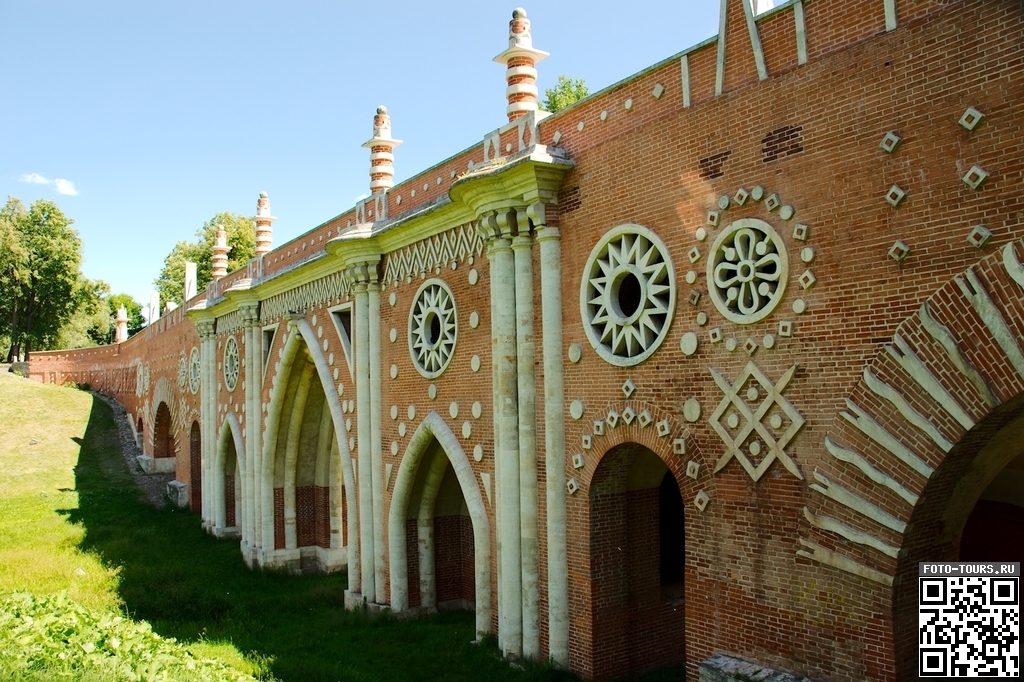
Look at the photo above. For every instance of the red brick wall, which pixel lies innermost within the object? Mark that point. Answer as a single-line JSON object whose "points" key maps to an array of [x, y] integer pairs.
{"points": [[809, 132], [453, 558], [278, 518], [229, 500], [305, 515]]}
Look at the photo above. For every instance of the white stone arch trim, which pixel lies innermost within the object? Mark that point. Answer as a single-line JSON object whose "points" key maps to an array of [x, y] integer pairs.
{"points": [[163, 392], [670, 440], [916, 398], [434, 427], [230, 432], [300, 331]]}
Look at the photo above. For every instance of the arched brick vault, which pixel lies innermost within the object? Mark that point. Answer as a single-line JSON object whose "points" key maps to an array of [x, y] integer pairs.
{"points": [[935, 416], [673, 445], [164, 393], [434, 429], [230, 434], [303, 340]]}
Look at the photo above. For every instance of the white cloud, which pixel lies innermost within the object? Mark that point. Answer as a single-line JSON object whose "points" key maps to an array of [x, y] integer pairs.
{"points": [[65, 187]]}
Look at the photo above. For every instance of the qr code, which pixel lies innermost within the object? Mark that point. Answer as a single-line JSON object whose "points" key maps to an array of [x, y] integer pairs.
{"points": [[969, 627]]}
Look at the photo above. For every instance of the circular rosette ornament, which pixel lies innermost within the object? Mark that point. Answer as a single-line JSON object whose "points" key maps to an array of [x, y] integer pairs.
{"points": [[433, 328], [195, 371], [231, 363], [747, 271], [628, 295]]}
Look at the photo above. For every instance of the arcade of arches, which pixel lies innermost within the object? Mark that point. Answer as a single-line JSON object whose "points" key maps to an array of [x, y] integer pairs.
{"points": [[694, 371]]}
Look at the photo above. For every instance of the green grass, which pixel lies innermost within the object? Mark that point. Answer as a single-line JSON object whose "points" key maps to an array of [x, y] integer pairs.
{"points": [[72, 520]]}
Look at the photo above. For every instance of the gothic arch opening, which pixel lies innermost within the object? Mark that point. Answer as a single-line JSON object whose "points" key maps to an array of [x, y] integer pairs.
{"points": [[163, 439], [637, 562], [195, 461], [439, 537], [308, 494], [231, 472], [953, 519]]}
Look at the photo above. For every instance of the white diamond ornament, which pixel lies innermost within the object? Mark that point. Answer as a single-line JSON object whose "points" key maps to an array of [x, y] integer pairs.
{"points": [[752, 418]]}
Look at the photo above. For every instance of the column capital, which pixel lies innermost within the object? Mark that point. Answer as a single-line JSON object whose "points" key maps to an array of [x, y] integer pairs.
{"points": [[249, 313], [207, 329], [548, 233], [361, 274], [522, 241]]}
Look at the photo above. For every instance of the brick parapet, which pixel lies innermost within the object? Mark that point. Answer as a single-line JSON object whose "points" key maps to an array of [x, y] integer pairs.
{"points": [[809, 133]]}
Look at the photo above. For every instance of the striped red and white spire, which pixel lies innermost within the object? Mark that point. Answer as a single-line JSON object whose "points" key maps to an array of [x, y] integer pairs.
{"points": [[220, 254], [520, 60], [264, 222], [382, 153]]}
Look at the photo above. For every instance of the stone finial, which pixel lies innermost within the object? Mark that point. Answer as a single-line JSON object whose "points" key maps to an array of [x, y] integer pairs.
{"points": [[520, 60], [220, 254], [121, 329], [264, 222], [519, 29], [382, 152]]}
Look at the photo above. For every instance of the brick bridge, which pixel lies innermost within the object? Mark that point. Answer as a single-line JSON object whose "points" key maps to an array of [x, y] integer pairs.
{"points": [[705, 363]]}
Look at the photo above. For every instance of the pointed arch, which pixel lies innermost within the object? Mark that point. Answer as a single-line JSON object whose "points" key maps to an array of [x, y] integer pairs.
{"points": [[302, 355], [230, 457], [434, 429]]}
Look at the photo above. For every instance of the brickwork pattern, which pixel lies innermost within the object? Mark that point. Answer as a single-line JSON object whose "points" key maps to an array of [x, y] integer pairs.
{"points": [[809, 133]]}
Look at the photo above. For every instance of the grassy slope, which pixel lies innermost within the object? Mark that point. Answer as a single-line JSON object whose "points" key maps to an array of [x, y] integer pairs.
{"points": [[72, 519]]}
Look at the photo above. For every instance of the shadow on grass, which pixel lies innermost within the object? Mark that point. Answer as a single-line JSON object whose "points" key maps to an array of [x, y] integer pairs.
{"points": [[196, 588]]}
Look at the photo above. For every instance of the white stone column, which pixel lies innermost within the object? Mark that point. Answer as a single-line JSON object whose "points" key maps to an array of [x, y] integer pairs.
{"points": [[363, 435], [549, 240], [523, 255], [254, 421], [253, 375], [506, 447], [208, 415], [376, 458]]}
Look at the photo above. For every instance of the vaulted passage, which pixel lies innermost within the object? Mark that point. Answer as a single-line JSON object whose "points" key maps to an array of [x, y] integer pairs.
{"points": [[972, 509], [439, 538], [308, 494], [637, 562], [163, 440], [995, 527], [195, 462], [232, 482]]}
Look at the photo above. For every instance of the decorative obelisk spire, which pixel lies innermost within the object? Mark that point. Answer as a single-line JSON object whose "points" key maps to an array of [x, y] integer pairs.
{"points": [[121, 331], [220, 254], [520, 60], [264, 220], [382, 153]]}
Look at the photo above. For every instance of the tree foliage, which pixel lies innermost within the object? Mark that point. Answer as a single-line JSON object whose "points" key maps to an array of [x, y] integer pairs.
{"points": [[567, 91], [241, 235], [40, 259], [134, 309], [91, 323]]}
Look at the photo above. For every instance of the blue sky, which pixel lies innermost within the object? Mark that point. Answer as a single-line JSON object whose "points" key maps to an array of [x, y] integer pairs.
{"points": [[145, 119]]}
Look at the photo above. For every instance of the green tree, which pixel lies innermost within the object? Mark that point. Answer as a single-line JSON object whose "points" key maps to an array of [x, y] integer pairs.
{"points": [[91, 322], [241, 234], [135, 319], [40, 288], [13, 271], [567, 91]]}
